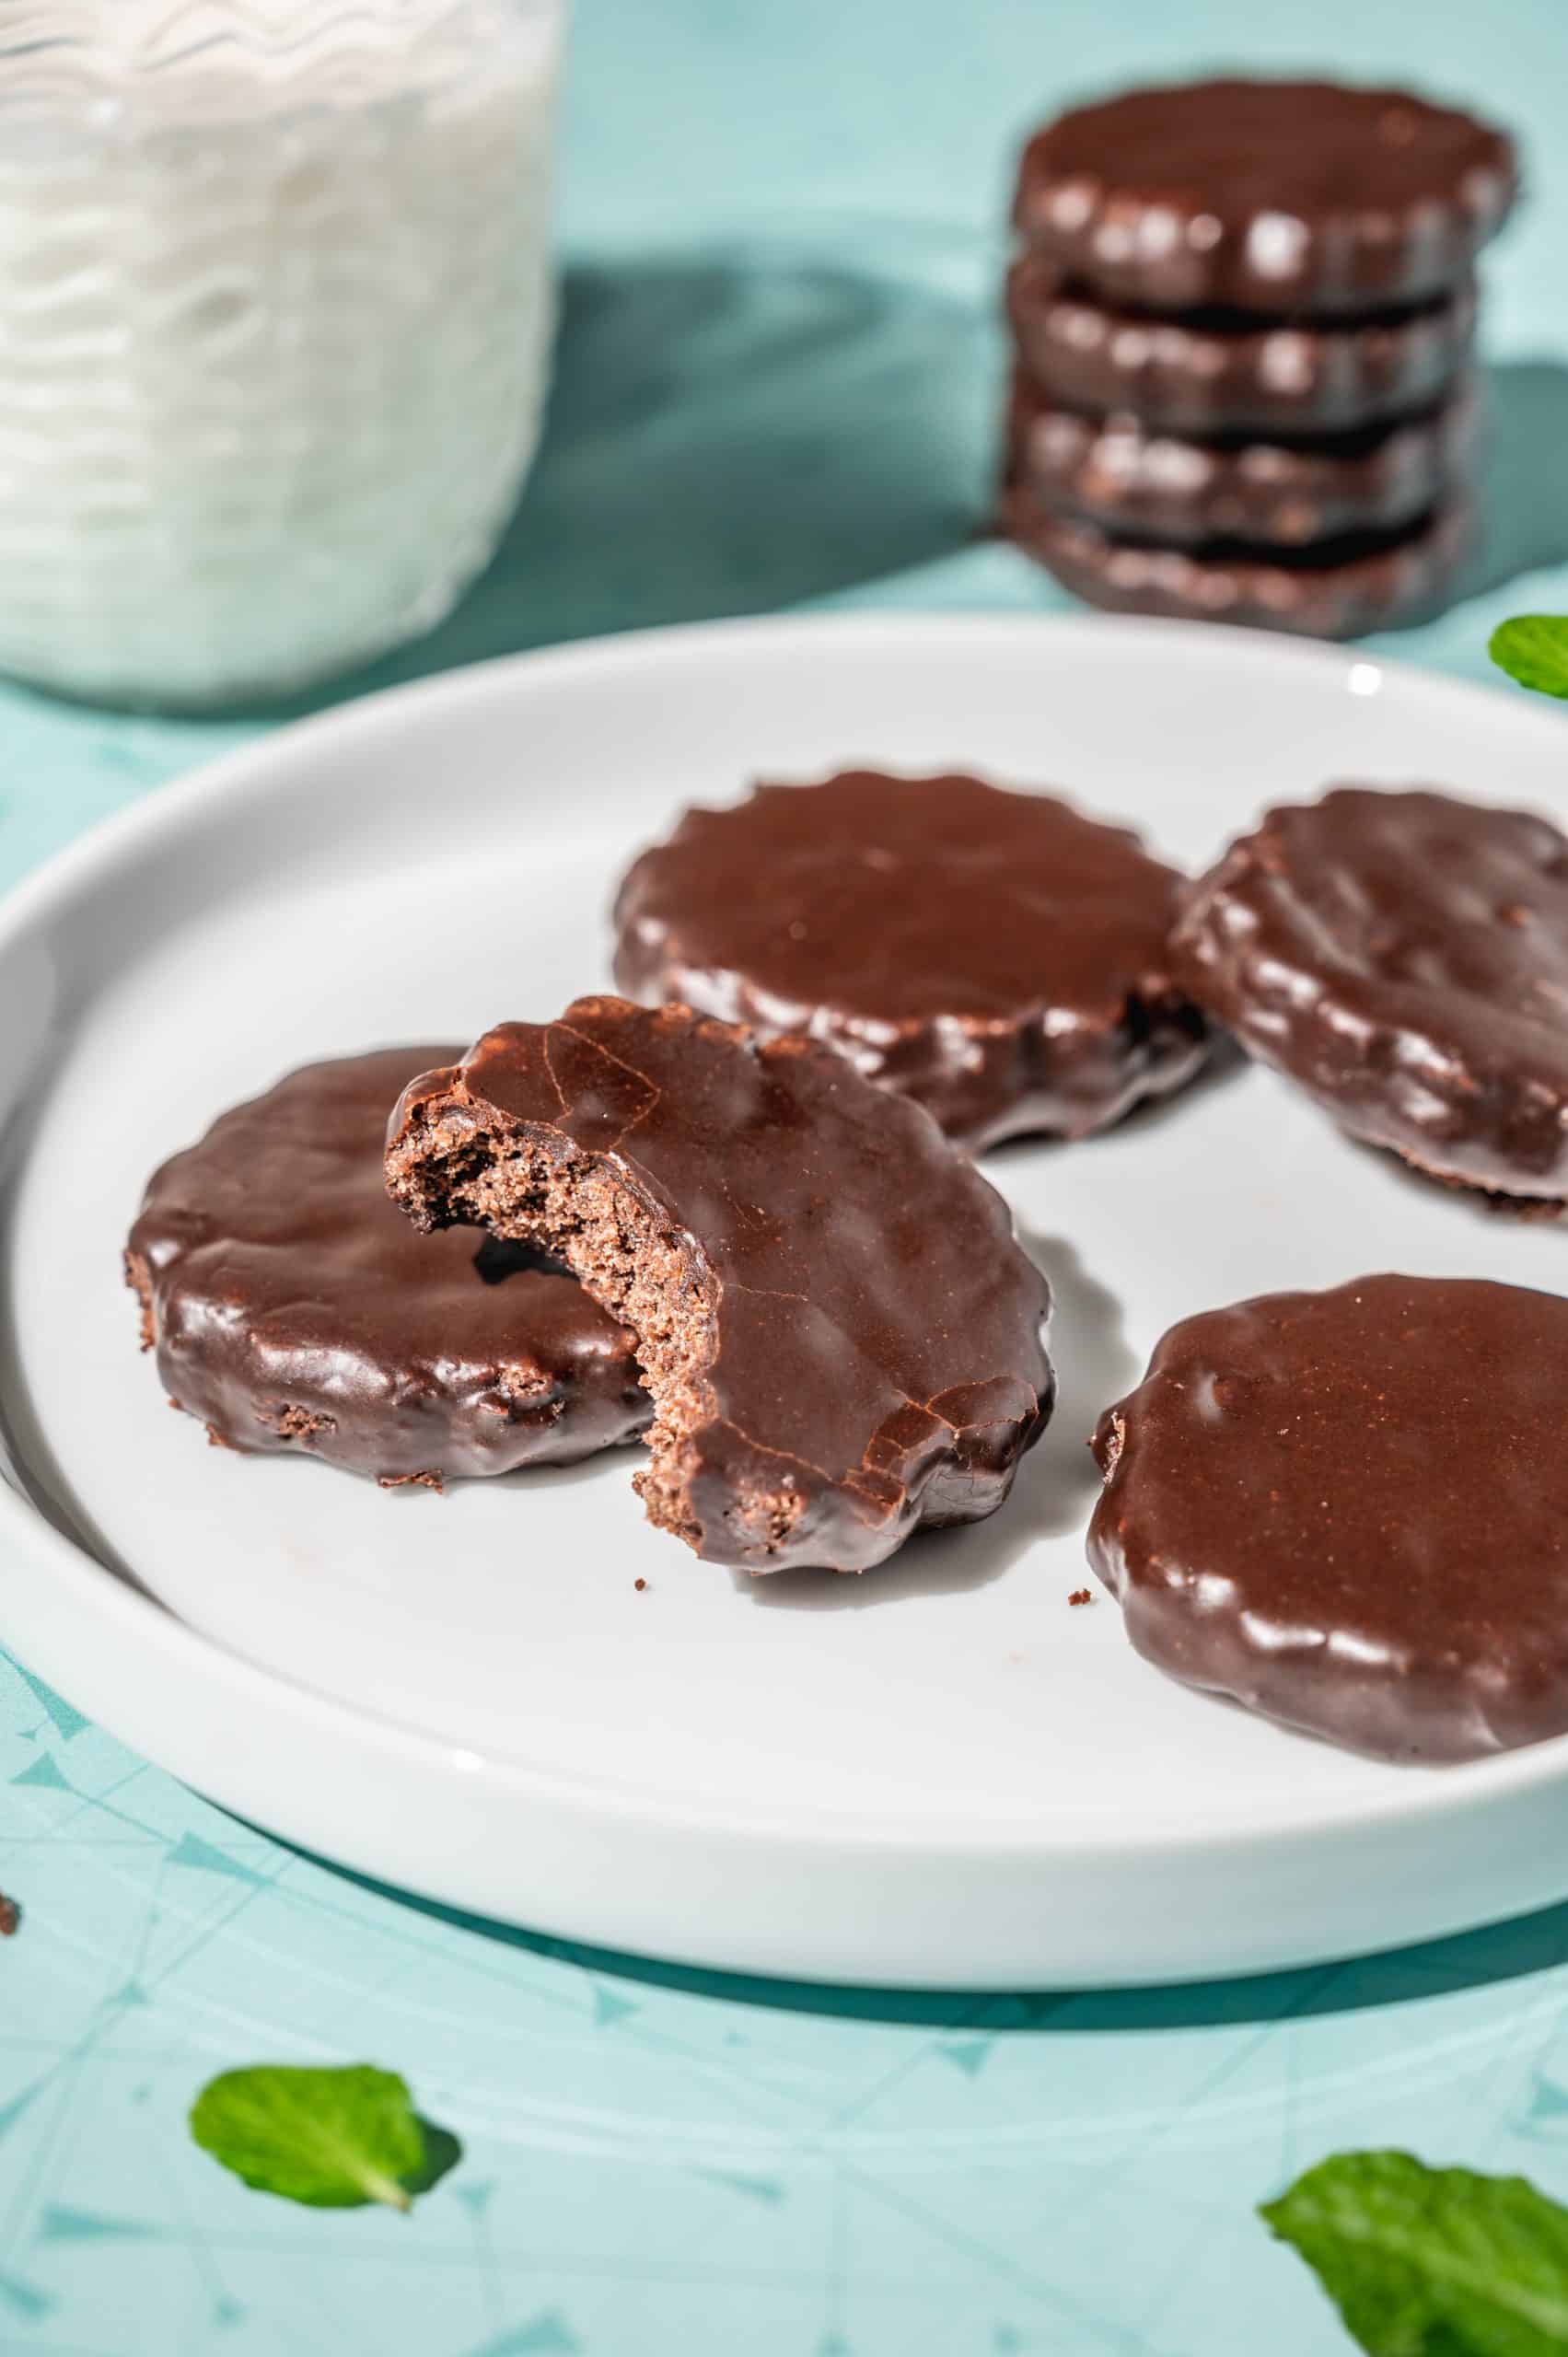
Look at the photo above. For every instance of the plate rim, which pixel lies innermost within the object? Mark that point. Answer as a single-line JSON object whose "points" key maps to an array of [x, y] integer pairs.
{"points": [[142, 1619]]}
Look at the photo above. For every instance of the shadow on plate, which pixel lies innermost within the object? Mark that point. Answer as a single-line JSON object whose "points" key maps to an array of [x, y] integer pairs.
{"points": [[728, 433], [1225, 1062], [1504, 1211], [1093, 1368]]}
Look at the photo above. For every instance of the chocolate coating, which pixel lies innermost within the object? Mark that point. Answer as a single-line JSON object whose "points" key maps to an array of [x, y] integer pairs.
{"points": [[1135, 482], [841, 1334], [998, 957], [1404, 958], [1225, 372], [1272, 196], [292, 1307], [1349, 1510], [1334, 589]]}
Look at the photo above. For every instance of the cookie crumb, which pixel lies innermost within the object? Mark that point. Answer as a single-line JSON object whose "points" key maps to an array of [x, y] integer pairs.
{"points": [[639, 1584], [10, 1917], [1082, 1595]]}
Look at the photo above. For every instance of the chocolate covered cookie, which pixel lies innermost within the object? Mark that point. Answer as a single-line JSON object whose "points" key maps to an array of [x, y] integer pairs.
{"points": [[1335, 589], [1349, 1510], [840, 1334], [292, 1307], [997, 956], [1403, 957], [1210, 373], [1135, 482], [1272, 196]]}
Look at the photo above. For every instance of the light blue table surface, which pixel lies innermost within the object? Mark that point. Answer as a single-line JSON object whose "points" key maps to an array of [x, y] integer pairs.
{"points": [[778, 386]]}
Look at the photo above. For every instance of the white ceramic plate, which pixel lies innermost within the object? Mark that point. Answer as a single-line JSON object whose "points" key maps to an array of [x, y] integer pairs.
{"points": [[939, 1773]]}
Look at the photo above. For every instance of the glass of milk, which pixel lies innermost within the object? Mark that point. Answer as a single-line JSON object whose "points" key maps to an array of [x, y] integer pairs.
{"points": [[276, 318]]}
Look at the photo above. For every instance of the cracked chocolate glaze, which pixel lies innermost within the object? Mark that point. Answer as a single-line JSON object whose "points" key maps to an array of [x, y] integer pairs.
{"points": [[1349, 1510], [1267, 196], [999, 957], [1228, 373], [1403, 957], [292, 1307], [1332, 589], [841, 1334], [1132, 479]]}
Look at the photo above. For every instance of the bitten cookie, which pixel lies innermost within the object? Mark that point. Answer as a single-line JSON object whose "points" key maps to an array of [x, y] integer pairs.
{"points": [[1269, 196], [1403, 957], [999, 957], [1349, 1510], [841, 1333], [291, 1306]]}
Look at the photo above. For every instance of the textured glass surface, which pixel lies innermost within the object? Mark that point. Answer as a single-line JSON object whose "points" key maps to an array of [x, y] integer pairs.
{"points": [[275, 322]]}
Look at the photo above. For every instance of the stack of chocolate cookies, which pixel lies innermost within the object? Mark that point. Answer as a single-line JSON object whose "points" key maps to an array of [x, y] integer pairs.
{"points": [[1243, 315]]}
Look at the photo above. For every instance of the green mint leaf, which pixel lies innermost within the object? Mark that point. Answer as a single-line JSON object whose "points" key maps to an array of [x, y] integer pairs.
{"points": [[335, 2140], [1533, 649], [1432, 2262]]}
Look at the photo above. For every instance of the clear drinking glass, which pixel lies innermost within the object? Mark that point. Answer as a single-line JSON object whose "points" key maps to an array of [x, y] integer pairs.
{"points": [[276, 315]]}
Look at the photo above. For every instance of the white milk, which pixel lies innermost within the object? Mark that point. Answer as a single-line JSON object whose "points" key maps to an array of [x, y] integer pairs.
{"points": [[275, 309]]}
